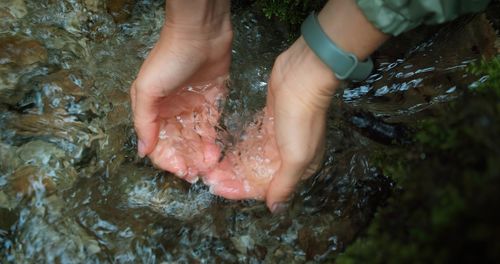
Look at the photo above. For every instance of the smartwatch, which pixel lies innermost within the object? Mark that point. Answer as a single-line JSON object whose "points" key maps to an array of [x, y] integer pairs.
{"points": [[344, 65]]}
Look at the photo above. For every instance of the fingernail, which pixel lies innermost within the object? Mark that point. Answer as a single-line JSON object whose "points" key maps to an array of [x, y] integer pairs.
{"points": [[212, 190], [180, 173], [193, 180], [141, 148], [279, 208]]}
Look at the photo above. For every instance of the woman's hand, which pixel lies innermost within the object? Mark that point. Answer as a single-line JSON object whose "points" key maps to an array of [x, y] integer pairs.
{"points": [[285, 143], [300, 90], [194, 49], [299, 94]]}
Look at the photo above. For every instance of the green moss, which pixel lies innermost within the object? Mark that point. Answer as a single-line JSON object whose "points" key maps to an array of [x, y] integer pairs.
{"points": [[292, 12], [491, 70], [391, 163], [447, 208]]}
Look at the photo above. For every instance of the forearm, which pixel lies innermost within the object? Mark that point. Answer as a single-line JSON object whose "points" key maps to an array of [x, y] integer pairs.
{"points": [[348, 28], [202, 17]]}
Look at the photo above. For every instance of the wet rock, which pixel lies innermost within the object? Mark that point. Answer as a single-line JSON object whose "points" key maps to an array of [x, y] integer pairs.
{"points": [[120, 115], [7, 201], [94, 5], [39, 164], [63, 44], [310, 243], [120, 10], [7, 218], [119, 111], [8, 158], [117, 97], [59, 91], [477, 37], [118, 125], [376, 129], [39, 152], [114, 144], [243, 243], [55, 238], [68, 83], [21, 51], [29, 179], [14, 81], [16, 8], [416, 81], [6, 20], [8, 80], [172, 202], [51, 125], [65, 130]]}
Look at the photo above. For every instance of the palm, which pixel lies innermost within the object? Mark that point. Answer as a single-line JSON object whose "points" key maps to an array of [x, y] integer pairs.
{"points": [[247, 169], [175, 118], [187, 136]]}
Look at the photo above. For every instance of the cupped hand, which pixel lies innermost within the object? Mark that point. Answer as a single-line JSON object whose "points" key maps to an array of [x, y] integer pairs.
{"points": [[286, 144], [300, 91], [176, 96]]}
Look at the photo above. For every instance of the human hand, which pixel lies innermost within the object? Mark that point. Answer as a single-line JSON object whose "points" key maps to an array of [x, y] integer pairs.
{"points": [[285, 143], [177, 91], [300, 89]]}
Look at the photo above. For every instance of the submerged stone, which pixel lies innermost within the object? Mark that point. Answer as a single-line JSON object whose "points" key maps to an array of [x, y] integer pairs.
{"points": [[6, 19], [120, 10], [55, 238], [21, 51], [16, 8]]}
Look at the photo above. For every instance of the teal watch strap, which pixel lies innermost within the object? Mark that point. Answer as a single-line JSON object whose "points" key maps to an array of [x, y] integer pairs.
{"points": [[344, 65]]}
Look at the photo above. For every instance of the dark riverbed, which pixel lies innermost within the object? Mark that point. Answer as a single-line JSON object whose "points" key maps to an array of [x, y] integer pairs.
{"points": [[73, 190]]}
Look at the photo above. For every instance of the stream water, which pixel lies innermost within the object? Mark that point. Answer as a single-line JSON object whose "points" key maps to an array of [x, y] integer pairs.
{"points": [[72, 189]]}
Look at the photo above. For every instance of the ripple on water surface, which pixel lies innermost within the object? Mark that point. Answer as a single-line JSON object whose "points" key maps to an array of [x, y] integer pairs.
{"points": [[72, 189]]}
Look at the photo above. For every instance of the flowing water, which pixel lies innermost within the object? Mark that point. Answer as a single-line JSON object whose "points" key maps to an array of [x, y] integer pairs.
{"points": [[73, 190]]}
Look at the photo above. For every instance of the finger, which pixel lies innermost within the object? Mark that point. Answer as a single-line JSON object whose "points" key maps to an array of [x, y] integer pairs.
{"points": [[132, 95], [191, 178], [166, 158], [211, 154], [145, 120], [235, 190], [315, 164], [223, 172], [269, 109], [282, 186]]}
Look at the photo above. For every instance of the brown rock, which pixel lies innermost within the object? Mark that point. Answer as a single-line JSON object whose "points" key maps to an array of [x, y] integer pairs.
{"points": [[21, 51], [22, 180], [16, 8], [94, 5], [68, 82], [311, 244], [6, 19], [120, 10], [8, 80], [54, 125]]}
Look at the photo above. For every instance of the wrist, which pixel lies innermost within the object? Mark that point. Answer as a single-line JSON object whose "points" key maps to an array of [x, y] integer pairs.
{"points": [[300, 74], [346, 25], [203, 19], [320, 74]]}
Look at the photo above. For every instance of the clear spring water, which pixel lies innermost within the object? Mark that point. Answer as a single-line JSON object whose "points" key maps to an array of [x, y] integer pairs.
{"points": [[72, 189]]}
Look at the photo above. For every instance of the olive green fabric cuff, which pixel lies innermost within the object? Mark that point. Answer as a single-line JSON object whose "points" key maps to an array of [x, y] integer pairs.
{"points": [[397, 16]]}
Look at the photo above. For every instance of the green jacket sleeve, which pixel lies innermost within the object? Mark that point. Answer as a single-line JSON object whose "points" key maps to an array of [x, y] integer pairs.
{"points": [[397, 16]]}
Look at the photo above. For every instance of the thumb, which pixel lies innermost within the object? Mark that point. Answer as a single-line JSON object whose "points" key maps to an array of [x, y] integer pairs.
{"points": [[145, 109], [282, 186]]}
